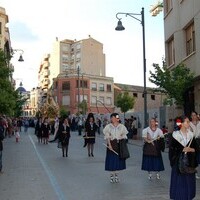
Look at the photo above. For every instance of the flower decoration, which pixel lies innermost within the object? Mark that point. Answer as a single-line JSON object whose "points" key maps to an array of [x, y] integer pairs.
{"points": [[178, 123]]}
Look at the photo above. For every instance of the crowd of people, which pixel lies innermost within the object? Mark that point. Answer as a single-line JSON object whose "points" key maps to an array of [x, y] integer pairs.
{"points": [[185, 140]]}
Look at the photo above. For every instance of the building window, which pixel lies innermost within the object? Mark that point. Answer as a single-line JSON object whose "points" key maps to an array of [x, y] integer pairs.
{"points": [[167, 5], [66, 100], [83, 84], [94, 87], [66, 85], [152, 97], [171, 52], [83, 97], [101, 99], [109, 88], [190, 39], [135, 95], [101, 87], [65, 58], [109, 101], [93, 100]]}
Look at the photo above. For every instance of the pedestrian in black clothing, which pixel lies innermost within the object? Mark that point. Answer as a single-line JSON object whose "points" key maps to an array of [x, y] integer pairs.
{"points": [[63, 136], [38, 130], [90, 130], [45, 131]]}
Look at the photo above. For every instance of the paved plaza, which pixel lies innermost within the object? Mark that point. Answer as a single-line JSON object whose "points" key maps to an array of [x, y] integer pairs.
{"points": [[34, 171]]}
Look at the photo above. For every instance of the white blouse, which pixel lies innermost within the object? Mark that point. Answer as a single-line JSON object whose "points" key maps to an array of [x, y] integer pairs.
{"points": [[115, 132], [152, 134], [195, 129], [177, 135]]}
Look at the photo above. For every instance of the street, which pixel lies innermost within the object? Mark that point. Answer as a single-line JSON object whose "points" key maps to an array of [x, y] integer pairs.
{"points": [[39, 172]]}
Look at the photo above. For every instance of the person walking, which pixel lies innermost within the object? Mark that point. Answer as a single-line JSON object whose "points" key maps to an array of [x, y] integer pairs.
{"points": [[113, 132], [1, 143], [195, 128], [38, 130], [153, 145], [90, 131], [182, 185], [64, 136], [45, 130]]}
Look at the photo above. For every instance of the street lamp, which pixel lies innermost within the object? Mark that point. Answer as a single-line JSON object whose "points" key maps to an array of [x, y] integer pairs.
{"points": [[121, 28], [78, 72], [20, 57]]}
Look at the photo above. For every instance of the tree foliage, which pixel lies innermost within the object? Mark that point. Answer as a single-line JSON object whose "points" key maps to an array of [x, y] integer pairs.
{"points": [[63, 112], [125, 102], [174, 82], [83, 106], [8, 97]]}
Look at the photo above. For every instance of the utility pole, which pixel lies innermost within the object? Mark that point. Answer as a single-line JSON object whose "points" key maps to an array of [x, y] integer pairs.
{"points": [[78, 72]]}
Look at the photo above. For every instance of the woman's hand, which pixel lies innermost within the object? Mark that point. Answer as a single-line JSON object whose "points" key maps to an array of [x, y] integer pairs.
{"points": [[188, 149]]}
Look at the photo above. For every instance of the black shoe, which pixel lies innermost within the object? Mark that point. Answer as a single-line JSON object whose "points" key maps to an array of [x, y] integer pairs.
{"points": [[92, 155], [88, 154]]}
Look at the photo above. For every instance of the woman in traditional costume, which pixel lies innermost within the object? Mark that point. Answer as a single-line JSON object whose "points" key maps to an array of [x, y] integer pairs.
{"points": [[182, 185], [64, 136], [114, 132], [90, 133], [195, 128], [153, 145]]}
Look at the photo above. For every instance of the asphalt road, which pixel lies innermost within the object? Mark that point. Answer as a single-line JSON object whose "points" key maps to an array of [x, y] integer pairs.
{"points": [[39, 172]]}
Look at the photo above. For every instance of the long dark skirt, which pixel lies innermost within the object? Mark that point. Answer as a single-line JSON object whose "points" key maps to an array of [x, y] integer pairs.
{"points": [[113, 162], [198, 157], [182, 186], [152, 163]]}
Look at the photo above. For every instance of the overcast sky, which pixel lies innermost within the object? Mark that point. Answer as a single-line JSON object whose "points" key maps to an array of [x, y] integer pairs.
{"points": [[34, 25]]}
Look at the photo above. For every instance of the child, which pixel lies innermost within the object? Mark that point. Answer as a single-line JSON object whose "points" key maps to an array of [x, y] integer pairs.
{"points": [[17, 135]]}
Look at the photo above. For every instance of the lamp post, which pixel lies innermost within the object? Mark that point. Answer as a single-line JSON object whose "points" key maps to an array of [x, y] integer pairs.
{"points": [[78, 72], [121, 28], [20, 57]]}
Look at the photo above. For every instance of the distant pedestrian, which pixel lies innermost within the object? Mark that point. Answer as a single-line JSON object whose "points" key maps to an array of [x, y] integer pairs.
{"points": [[195, 128], [1, 142], [90, 133], [38, 130], [64, 136], [80, 125], [17, 134], [114, 132], [26, 125], [153, 145], [99, 126], [182, 185]]}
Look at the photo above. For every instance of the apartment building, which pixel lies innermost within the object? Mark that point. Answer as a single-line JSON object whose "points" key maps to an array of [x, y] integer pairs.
{"points": [[4, 32], [182, 43], [154, 99], [68, 56], [70, 91], [77, 73]]}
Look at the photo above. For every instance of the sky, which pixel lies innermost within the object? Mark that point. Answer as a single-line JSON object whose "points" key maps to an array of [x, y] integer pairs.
{"points": [[35, 24]]}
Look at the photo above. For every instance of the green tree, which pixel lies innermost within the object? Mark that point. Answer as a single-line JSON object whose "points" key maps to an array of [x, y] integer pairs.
{"points": [[20, 100], [83, 106], [174, 82], [63, 112], [125, 102], [8, 97]]}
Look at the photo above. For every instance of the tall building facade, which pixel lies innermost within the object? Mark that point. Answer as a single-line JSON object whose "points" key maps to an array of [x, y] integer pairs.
{"points": [[68, 56], [182, 43], [4, 31], [74, 73]]}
